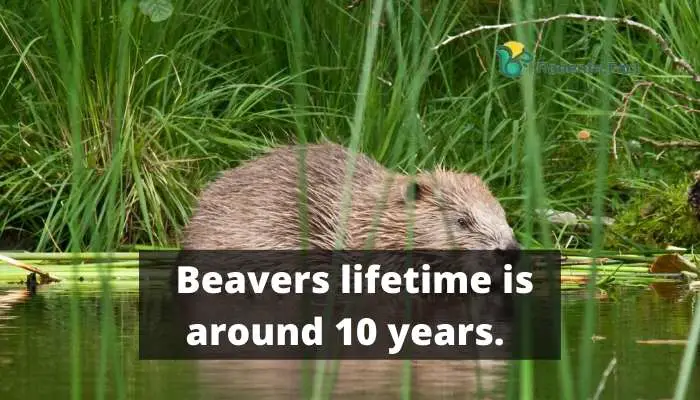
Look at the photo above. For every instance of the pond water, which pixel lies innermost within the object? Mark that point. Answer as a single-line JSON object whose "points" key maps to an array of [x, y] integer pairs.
{"points": [[35, 355]]}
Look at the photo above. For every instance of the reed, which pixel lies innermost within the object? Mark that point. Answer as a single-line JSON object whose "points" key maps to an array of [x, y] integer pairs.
{"points": [[110, 123]]}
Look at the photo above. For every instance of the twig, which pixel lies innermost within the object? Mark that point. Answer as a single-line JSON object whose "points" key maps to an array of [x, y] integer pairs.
{"points": [[540, 34], [604, 378], [686, 108], [45, 277], [690, 144], [622, 110], [481, 61], [680, 342], [665, 46]]}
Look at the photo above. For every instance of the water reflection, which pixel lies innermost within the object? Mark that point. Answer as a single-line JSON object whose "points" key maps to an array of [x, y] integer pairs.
{"points": [[35, 356], [356, 379]]}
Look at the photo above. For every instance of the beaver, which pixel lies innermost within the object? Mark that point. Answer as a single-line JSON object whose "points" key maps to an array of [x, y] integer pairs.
{"points": [[256, 207]]}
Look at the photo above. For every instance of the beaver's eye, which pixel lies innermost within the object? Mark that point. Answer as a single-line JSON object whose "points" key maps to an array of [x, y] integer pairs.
{"points": [[463, 222]]}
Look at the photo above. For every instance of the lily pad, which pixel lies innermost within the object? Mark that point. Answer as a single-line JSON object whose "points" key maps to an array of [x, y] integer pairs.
{"points": [[156, 10]]}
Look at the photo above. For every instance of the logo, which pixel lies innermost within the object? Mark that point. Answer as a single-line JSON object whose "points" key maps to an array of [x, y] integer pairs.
{"points": [[512, 58]]}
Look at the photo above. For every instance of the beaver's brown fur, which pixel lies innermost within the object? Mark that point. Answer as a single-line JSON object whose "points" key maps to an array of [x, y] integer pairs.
{"points": [[256, 206]]}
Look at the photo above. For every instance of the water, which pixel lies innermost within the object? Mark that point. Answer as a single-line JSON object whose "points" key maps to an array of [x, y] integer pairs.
{"points": [[35, 354]]}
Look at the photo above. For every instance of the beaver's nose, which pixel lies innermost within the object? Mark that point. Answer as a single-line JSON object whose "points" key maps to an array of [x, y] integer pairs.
{"points": [[510, 245], [509, 252]]}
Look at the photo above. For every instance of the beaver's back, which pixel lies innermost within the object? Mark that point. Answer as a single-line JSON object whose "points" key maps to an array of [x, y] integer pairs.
{"points": [[256, 205]]}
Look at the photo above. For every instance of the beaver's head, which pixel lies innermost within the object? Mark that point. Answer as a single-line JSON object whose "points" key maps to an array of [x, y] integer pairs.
{"points": [[456, 211]]}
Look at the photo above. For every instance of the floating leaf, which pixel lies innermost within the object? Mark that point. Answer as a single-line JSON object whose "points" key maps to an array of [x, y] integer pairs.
{"points": [[667, 263], [156, 10], [672, 263]]}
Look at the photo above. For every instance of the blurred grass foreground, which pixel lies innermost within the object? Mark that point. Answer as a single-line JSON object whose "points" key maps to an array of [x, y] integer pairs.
{"points": [[115, 113]]}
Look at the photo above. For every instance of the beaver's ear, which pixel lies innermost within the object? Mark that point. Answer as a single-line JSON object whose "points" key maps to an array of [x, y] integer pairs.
{"points": [[418, 189]]}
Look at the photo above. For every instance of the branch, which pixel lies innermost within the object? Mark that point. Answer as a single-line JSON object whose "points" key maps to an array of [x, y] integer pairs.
{"points": [[622, 110], [686, 108], [665, 46], [688, 144], [46, 278]]}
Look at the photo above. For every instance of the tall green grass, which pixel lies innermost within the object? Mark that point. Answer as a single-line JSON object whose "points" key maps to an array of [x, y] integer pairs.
{"points": [[111, 123]]}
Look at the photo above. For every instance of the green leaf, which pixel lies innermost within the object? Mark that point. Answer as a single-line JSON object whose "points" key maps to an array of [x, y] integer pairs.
{"points": [[157, 10]]}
